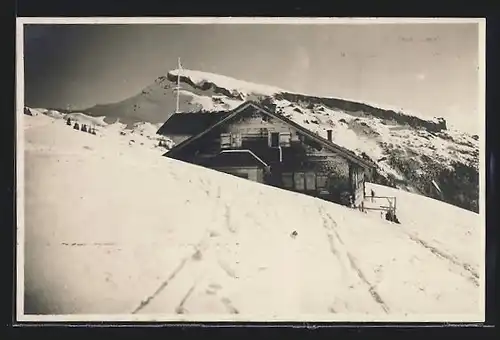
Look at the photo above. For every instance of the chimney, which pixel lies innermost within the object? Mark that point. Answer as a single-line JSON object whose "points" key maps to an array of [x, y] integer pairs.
{"points": [[329, 135]]}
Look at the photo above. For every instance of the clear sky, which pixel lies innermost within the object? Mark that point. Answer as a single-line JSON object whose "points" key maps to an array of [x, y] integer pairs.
{"points": [[427, 68]]}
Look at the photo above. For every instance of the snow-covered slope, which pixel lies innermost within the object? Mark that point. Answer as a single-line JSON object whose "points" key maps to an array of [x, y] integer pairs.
{"points": [[410, 151], [113, 228], [141, 134]]}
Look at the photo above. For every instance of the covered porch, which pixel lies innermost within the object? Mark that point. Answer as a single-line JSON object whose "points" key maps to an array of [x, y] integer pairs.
{"points": [[240, 163]]}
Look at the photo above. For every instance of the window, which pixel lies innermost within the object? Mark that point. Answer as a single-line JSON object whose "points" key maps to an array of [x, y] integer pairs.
{"points": [[310, 181], [277, 139], [285, 138], [288, 180], [236, 140], [230, 140], [225, 140], [321, 181], [299, 181], [274, 139]]}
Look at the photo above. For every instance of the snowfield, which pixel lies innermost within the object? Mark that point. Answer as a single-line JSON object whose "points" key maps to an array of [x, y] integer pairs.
{"points": [[113, 228]]}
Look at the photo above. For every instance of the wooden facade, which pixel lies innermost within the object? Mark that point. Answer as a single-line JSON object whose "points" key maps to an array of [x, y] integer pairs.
{"points": [[254, 143]]}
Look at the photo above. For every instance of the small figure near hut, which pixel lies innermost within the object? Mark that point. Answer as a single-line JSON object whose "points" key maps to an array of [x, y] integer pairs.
{"points": [[84, 128], [388, 215], [391, 216], [68, 121], [76, 126]]}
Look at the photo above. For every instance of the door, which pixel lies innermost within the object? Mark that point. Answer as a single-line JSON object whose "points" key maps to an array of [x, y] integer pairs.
{"points": [[299, 181], [310, 181]]}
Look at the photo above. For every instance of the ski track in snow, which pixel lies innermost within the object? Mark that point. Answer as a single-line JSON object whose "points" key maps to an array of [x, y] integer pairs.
{"points": [[338, 249], [162, 286], [244, 262]]}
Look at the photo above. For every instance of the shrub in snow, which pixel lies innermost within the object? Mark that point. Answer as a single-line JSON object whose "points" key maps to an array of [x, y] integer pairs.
{"points": [[29, 112]]}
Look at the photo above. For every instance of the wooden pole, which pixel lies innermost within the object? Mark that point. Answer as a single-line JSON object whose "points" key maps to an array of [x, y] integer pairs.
{"points": [[178, 84]]}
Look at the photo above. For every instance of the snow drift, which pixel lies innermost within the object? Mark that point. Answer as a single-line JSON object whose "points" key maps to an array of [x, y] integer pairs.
{"points": [[112, 228]]}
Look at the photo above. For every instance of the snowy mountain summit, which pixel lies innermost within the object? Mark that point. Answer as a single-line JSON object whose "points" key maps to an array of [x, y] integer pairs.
{"points": [[413, 153]]}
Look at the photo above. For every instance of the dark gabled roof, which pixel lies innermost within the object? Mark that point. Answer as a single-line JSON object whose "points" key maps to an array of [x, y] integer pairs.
{"points": [[222, 117], [190, 123], [326, 143]]}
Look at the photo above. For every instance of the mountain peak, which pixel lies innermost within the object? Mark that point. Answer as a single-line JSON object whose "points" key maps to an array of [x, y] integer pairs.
{"points": [[233, 85]]}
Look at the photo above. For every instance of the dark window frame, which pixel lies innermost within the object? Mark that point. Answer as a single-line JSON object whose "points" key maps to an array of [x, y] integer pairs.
{"points": [[274, 137]]}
